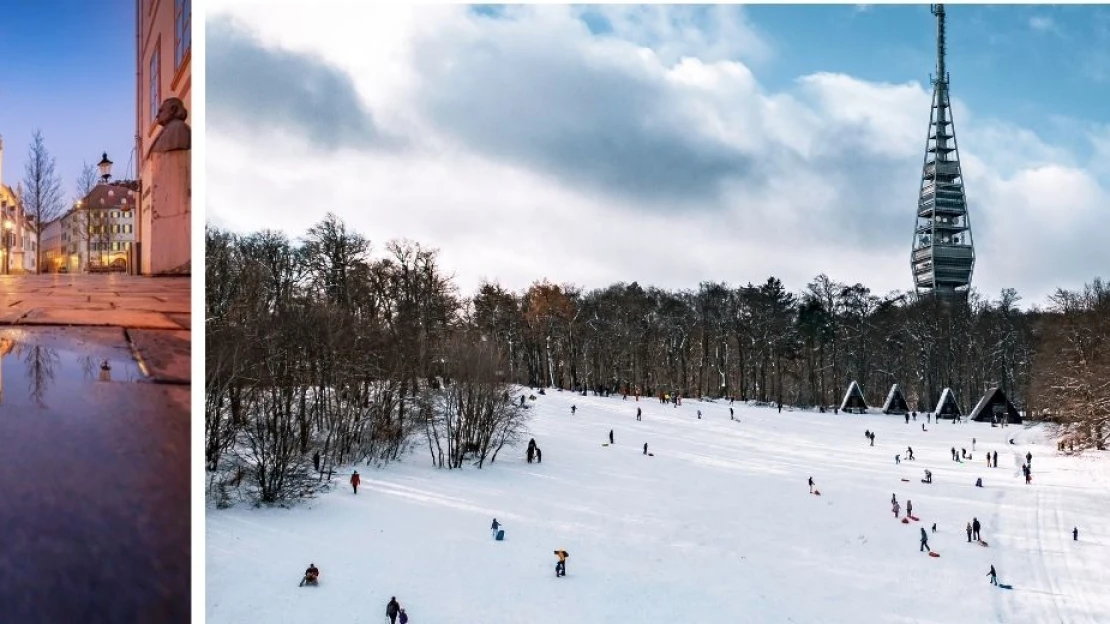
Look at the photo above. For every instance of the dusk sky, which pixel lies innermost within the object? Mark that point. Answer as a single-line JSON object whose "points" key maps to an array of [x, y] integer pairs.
{"points": [[663, 144], [68, 68]]}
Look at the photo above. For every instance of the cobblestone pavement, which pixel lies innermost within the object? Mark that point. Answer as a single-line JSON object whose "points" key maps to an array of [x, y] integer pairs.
{"points": [[94, 438]]}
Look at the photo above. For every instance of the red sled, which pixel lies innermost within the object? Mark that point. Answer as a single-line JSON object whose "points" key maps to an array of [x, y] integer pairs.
{"points": [[933, 554], [905, 520], [914, 518]]}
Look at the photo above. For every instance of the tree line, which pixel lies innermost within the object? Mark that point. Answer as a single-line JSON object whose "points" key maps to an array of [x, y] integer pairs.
{"points": [[321, 347]]}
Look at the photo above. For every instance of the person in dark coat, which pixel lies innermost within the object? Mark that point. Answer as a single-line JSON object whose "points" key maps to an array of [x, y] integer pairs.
{"points": [[731, 414], [1075, 534], [993, 575], [996, 459], [403, 618], [645, 448], [610, 436], [811, 485], [493, 527], [573, 409], [638, 413], [924, 540], [355, 480], [968, 532], [934, 527], [539, 455], [316, 461], [909, 509], [872, 439], [392, 609], [1029, 458], [311, 575], [975, 528], [561, 565]]}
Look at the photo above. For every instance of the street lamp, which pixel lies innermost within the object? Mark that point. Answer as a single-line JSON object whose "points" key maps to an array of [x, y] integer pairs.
{"points": [[105, 166], [8, 226]]}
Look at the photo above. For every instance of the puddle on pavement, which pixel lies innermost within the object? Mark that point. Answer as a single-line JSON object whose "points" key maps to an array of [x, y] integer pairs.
{"points": [[50, 366]]}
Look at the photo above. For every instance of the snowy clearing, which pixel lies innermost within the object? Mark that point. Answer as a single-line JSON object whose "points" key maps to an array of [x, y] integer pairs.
{"points": [[717, 526]]}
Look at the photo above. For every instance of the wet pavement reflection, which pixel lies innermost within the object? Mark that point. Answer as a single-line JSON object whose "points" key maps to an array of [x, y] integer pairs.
{"points": [[94, 481]]}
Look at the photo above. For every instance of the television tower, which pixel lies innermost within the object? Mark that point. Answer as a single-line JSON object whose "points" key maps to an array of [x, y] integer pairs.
{"points": [[943, 255]]}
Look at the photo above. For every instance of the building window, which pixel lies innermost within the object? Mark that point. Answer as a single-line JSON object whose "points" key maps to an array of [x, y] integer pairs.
{"points": [[155, 84], [183, 30]]}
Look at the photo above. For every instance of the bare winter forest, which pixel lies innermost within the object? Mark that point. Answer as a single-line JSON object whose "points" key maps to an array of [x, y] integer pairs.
{"points": [[321, 352]]}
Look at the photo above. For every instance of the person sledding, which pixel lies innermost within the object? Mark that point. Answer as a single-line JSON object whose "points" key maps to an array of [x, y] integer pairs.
{"points": [[311, 576], [355, 480], [561, 564]]}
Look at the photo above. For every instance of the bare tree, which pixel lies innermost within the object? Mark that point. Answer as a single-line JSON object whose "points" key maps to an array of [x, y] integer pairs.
{"points": [[42, 198]]}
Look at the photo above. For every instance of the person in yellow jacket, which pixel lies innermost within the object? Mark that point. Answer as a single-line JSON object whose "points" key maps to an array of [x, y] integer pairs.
{"points": [[561, 565]]}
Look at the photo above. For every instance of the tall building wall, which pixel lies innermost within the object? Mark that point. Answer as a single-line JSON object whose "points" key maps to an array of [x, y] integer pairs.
{"points": [[163, 70]]}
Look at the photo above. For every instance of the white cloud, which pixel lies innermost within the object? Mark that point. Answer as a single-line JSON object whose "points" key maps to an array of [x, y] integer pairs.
{"points": [[535, 149], [1043, 23]]}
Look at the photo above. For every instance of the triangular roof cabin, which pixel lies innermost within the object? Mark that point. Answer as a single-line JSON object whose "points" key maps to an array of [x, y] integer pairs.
{"points": [[895, 403], [947, 406], [853, 402], [994, 406]]}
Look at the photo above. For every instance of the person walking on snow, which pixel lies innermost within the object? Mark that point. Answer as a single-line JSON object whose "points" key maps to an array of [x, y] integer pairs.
{"points": [[907, 419], [573, 409], [699, 414], [897, 460], [561, 565], [872, 439], [934, 527], [610, 436], [811, 485], [403, 618], [355, 480], [973, 444], [392, 609], [645, 448], [988, 460], [493, 528], [730, 414], [975, 529], [539, 455], [909, 508], [897, 508], [1029, 459], [316, 461], [909, 452], [924, 541], [638, 413], [1075, 534], [993, 575], [968, 532], [995, 464]]}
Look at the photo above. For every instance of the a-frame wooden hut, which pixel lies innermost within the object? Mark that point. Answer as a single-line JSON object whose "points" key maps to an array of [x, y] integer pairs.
{"points": [[994, 407], [947, 406], [853, 402], [895, 403]]}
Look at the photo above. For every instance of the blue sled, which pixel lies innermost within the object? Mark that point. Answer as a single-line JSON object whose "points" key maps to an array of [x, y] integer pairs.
{"points": [[500, 535], [1004, 586]]}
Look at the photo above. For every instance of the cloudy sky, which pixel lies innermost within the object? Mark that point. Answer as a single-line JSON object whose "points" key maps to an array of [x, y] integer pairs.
{"points": [[67, 68], [665, 145]]}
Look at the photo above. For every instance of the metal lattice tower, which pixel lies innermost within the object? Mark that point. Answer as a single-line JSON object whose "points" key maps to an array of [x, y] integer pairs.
{"points": [[943, 255]]}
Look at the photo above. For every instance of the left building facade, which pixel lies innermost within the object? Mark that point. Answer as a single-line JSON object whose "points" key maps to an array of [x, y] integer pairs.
{"points": [[18, 247]]}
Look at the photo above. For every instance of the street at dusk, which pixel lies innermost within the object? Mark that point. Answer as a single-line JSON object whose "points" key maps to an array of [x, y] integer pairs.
{"points": [[95, 208]]}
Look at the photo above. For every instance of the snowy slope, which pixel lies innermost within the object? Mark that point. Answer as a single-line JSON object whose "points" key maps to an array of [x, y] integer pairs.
{"points": [[718, 526]]}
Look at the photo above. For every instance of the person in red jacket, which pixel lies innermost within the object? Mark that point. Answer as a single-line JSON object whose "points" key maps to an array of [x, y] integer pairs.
{"points": [[355, 480]]}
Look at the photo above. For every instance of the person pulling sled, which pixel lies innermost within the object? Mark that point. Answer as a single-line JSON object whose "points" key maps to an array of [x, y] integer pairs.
{"points": [[392, 610], [311, 576]]}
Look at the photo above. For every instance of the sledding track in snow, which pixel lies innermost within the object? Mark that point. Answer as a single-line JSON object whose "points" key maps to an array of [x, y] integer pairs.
{"points": [[718, 526]]}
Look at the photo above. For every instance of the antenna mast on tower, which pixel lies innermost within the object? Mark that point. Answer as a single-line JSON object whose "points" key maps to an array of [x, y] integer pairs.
{"points": [[942, 256]]}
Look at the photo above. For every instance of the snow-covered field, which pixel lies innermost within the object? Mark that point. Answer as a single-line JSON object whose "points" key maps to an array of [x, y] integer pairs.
{"points": [[718, 526]]}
